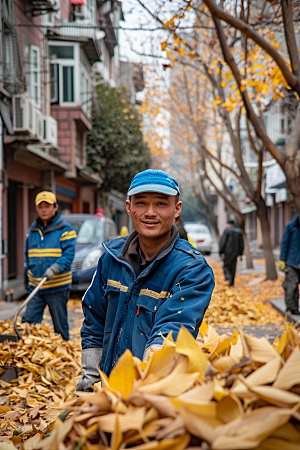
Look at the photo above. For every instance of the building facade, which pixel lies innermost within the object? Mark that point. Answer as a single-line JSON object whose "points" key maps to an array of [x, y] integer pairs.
{"points": [[50, 52]]}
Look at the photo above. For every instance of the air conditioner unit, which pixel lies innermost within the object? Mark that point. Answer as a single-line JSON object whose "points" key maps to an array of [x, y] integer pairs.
{"points": [[23, 115], [50, 130], [39, 125]]}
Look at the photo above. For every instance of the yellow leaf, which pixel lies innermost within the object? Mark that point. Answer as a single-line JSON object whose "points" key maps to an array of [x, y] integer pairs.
{"points": [[123, 375], [289, 375], [229, 108], [228, 76], [217, 70], [192, 55], [182, 51], [265, 374], [187, 345], [215, 62], [233, 86], [203, 328], [243, 88], [169, 54], [223, 84], [163, 45], [272, 36], [229, 408], [177, 382]]}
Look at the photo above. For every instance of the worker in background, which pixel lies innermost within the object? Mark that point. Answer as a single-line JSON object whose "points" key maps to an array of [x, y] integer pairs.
{"points": [[146, 285], [290, 265], [49, 252], [231, 246]]}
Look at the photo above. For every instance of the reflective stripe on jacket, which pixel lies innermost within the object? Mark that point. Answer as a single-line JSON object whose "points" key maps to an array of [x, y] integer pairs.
{"points": [[55, 244], [123, 310]]}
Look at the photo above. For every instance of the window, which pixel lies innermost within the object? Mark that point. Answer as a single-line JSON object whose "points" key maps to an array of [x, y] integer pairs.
{"points": [[35, 80], [63, 58], [31, 56], [70, 82], [282, 126]]}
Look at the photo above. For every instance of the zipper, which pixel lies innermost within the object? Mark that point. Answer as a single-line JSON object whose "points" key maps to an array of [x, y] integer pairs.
{"points": [[41, 234]]}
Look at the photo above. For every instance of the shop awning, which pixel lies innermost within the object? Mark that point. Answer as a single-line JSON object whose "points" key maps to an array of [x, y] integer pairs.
{"points": [[77, 2]]}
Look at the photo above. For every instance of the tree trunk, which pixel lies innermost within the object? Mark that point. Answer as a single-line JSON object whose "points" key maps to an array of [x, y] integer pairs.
{"points": [[249, 262], [293, 180], [262, 214], [214, 224]]}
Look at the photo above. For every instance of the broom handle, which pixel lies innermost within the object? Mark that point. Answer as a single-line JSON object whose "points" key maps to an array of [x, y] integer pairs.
{"points": [[26, 301]]}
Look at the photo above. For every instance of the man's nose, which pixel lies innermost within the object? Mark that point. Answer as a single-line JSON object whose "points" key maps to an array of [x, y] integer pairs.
{"points": [[150, 211]]}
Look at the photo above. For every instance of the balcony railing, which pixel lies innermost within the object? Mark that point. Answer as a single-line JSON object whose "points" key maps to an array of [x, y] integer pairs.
{"points": [[39, 7], [84, 32]]}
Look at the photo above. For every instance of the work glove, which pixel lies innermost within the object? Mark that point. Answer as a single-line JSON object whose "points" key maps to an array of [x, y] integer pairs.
{"points": [[281, 265], [150, 350], [51, 271], [90, 362]]}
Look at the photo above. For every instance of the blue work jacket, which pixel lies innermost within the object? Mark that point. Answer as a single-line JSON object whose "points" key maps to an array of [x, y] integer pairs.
{"points": [[290, 244], [125, 311], [45, 246]]}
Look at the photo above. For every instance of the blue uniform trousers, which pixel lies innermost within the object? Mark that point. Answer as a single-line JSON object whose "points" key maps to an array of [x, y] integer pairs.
{"points": [[57, 303]]}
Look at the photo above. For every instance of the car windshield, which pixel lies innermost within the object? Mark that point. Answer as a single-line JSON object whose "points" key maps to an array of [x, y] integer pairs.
{"points": [[195, 228], [88, 231]]}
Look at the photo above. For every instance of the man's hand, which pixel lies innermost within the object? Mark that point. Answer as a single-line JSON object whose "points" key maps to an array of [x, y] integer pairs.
{"points": [[90, 362], [51, 271], [281, 265]]}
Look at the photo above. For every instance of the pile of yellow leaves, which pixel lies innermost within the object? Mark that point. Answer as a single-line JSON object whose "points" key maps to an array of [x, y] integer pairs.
{"points": [[220, 393], [49, 370], [244, 304]]}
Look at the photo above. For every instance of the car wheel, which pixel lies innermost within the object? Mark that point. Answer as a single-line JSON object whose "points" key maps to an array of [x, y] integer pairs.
{"points": [[208, 253]]}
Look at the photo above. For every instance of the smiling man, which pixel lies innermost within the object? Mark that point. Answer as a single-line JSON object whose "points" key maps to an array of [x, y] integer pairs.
{"points": [[146, 285]]}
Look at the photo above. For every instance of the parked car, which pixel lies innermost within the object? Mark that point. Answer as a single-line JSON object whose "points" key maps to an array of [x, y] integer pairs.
{"points": [[91, 232], [201, 234]]}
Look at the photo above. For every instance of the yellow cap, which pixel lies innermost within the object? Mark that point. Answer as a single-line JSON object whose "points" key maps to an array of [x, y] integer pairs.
{"points": [[45, 196]]}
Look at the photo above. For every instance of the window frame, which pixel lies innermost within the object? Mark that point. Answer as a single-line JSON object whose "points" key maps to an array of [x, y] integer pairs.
{"points": [[75, 63], [33, 84]]}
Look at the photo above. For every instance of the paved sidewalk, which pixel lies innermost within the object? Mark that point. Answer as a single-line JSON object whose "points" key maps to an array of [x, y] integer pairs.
{"points": [[279, 305]]}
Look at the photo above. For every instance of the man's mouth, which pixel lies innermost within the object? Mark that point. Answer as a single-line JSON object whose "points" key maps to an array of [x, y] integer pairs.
{"points": [[150, 224]]}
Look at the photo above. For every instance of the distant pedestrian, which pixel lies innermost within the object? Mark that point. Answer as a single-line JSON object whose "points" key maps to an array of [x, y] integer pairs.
{"points": [[231, 246], [290, 265], [49, 252], [181, 229], [99, 213]]}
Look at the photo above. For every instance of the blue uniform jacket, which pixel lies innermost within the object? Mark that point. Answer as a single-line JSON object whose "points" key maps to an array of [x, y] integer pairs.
{"points": [[125, 311], [46, 246], [290, 244]]}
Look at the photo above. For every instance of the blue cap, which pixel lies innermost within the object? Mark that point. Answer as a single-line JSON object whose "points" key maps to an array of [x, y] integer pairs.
{"points": [[153, 181]]}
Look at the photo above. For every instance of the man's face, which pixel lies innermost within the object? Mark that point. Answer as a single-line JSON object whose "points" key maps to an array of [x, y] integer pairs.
{"points": [[152, 213], [46, 211]]}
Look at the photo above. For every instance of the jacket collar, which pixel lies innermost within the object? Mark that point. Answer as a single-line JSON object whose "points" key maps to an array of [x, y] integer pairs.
{"points": [[117, 247], [55, 223]]}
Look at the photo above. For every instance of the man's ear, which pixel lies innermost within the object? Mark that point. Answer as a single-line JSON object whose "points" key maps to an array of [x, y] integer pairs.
{"points": [[128, 207], [178, 209], [56, 207]]}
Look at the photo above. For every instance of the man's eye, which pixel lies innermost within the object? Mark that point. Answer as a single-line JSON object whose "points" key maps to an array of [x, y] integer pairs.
{"points": [[161, 203]]}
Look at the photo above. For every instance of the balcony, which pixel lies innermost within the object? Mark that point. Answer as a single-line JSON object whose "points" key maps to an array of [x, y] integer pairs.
{"points": [[82, 33], [38, 7]]}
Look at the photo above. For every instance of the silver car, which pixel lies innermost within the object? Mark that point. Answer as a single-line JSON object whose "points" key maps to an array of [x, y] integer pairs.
{"points": [[201, 234]]}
